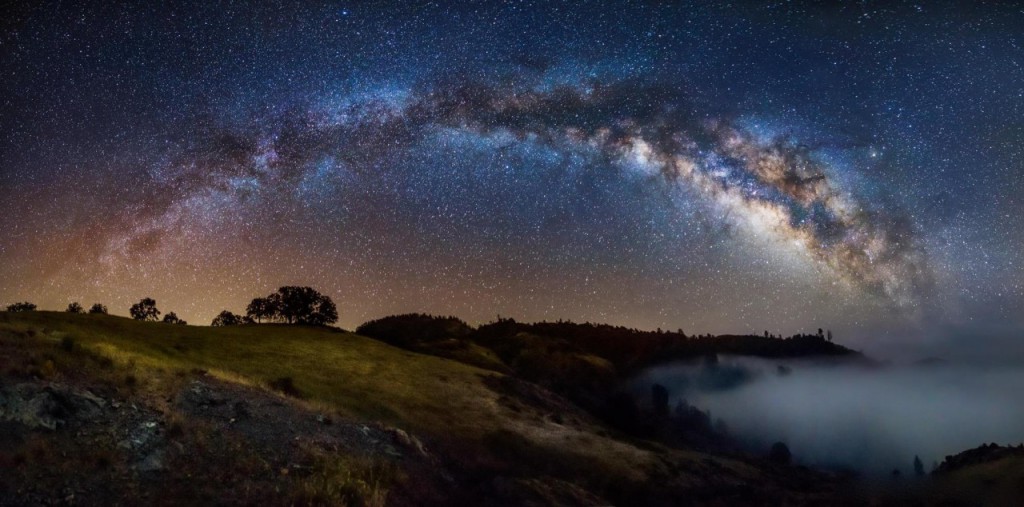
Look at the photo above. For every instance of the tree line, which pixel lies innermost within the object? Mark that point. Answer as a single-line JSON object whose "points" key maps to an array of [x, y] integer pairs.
{"points": [[97, 308], [288, 305]]}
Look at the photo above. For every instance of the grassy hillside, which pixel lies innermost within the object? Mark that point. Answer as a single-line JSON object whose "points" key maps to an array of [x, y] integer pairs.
{"points": [[495, 436], [347, 372]]}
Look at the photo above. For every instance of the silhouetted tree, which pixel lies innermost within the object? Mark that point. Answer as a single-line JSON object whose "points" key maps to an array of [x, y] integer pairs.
{"points": [[75, 308], [821, 333], [172, 318], [145, 310], [21, 307], [829, 335], [779, 454], [263, 308], [304, 305], [659, 398], [98, 308], [918, 466], [226, 318]]}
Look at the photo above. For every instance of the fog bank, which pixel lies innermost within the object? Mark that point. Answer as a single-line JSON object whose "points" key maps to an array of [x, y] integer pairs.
{"points": [[871, 419]]}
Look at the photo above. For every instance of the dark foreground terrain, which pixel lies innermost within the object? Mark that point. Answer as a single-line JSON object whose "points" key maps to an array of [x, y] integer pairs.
{"points": [[100, 410]]}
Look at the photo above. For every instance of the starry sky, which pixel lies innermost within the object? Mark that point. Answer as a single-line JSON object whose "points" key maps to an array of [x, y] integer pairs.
{"points": [[710, 166]]}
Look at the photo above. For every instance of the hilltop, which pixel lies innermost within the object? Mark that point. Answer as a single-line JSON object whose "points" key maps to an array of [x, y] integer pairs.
{"points": [[300, 414]]}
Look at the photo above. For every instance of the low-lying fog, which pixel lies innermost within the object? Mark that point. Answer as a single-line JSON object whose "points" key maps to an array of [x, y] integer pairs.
{"points": [[871, 419]]}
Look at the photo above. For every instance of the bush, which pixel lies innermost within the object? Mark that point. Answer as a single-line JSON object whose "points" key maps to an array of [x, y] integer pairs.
{"points": [[98, 308], [287, 386], [67, 343], [21, 307], [172, 318], [226, 318], [75, 308]]}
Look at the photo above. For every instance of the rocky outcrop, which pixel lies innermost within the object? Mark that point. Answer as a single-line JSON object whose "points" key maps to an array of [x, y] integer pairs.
{"points": [[48, 406]]}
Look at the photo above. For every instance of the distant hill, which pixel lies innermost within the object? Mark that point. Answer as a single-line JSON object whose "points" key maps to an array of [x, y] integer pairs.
{"points": [[570, 357], [632, 349], [590, 364]]}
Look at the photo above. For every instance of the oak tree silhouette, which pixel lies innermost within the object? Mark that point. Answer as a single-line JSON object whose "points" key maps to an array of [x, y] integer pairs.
{"points": [[303, 305], [145, 310], [172, 318], [263, 308], [226, 318]]}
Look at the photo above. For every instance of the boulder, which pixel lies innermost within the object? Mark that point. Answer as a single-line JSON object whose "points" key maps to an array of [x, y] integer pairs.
{"points": [[48, 406]]}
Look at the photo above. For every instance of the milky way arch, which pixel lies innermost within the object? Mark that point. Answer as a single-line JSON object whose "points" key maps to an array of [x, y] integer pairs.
{"points": [[770, 188]]}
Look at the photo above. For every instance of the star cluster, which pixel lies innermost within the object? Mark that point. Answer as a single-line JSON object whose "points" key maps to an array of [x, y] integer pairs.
{"points": [[707, 166]]}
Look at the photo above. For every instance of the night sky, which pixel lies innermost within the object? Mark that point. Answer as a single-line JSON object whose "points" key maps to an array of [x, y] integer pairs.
{"points": [[713, 167]]}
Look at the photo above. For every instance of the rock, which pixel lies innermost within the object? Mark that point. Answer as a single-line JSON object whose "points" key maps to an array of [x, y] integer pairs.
{"points": [[153, 462], [406, 440], [96, 400], [142, 436], [48, 407]]}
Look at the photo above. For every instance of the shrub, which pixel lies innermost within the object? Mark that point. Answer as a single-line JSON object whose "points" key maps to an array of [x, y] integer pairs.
{"points": [[98, 308], [24, 306], [226, 318], [287, 386], [172, 318], [67, 343], [75, 308]]}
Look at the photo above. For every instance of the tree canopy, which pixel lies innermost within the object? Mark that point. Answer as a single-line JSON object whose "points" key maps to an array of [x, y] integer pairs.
{"points": [[21, 307], [172, 318], [145, 310], [294, 305], [226, 318], [262, 308]]}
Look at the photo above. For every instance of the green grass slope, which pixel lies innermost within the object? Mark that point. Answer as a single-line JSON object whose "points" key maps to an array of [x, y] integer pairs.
{"points": [[352, 374], [490, 433]]}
